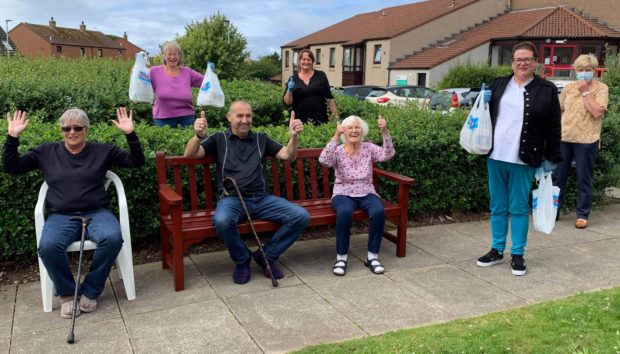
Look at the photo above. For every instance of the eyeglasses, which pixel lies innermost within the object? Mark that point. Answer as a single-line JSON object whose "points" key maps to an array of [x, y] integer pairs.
{"points": [[522, 60], [76, 128]]}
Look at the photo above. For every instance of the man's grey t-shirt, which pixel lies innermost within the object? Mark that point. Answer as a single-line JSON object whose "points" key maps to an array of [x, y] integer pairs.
{"points": [[242, 159]]}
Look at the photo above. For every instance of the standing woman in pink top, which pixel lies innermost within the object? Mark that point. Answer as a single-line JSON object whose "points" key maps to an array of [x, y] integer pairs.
{"points": [[353, 188], [172, 84]]}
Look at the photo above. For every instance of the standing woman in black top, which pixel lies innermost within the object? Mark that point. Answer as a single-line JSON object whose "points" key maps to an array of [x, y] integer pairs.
{"points": [[308, 92]]}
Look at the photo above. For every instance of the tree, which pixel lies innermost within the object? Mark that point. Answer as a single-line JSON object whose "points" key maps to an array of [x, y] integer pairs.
{"points": [[264, 68], [214, 40]]}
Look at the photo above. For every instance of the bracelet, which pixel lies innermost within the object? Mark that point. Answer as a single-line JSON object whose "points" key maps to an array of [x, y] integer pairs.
{"points": [[199, 137]]}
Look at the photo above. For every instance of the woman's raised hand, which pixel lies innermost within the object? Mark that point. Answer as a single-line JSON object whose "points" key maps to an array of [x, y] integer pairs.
{"points": [[382, 123], [123, 121], [17, 124]]}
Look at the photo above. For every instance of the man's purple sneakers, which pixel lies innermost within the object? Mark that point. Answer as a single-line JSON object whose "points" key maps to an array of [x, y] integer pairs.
{"points": [[277, 273], [241, 275]]}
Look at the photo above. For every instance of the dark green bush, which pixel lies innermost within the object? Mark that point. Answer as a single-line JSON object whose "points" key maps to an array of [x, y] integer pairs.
{"points": [[472, 75]]}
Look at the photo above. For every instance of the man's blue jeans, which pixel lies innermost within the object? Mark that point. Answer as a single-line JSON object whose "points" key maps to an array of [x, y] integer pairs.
{"points": [[345, 206], [261, 206], [59, 231]]}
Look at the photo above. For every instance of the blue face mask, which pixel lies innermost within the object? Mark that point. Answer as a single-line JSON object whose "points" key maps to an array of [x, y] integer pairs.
{"points": [[585, 75]]}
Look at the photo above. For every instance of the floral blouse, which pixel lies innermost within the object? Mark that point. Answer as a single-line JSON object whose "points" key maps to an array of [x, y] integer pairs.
{"points": [[354, 173]]}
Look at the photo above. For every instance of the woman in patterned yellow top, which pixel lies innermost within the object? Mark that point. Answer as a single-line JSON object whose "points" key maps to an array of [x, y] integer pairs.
{"points": [[583, 103]]}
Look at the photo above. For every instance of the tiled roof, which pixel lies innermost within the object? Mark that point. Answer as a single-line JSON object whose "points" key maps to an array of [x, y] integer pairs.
{"points": [[555, 22], [75, 37], [385, 23]]}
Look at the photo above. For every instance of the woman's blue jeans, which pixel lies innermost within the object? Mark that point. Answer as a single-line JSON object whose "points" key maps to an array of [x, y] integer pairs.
{"points": [[184, 121], [261, 206], [509, 190], [344, 206], [59, 231]]}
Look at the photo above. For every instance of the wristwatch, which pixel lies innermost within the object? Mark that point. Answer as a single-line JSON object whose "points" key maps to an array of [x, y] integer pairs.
{"points": [[584, 94]]}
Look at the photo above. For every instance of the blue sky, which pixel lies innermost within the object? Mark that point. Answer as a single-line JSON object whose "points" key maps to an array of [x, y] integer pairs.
{"points": [[266, 24]]}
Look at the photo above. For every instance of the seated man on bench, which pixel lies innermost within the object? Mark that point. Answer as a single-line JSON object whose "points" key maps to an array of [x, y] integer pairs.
{"points": [[240, 154]]}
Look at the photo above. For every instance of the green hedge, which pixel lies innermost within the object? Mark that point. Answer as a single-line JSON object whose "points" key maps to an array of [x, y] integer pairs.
{"points": [[426, 144]]}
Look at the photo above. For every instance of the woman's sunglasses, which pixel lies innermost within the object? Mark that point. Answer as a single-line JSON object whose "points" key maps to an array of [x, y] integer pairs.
{"points": [[76, 128]]}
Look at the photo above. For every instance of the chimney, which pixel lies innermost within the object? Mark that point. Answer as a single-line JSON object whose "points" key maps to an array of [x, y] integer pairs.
{"points": [[125, 35], [82, 27], [52, 24], [452, 3]]}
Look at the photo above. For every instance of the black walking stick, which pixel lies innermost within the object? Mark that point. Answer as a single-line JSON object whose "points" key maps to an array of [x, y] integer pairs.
{"points": [[85, 222], [274, 282]]}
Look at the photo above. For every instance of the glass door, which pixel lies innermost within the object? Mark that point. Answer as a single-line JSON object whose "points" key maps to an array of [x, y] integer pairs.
{"points": [[558, 59]]}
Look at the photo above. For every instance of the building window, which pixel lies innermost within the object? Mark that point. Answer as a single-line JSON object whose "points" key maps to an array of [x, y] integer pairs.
{"points": [[377, 56], [421, 79], [120, 52], [332, 57], [81, 52], [318, 57], [99, 53], [286, 58], [295, 53], [58, 49]]}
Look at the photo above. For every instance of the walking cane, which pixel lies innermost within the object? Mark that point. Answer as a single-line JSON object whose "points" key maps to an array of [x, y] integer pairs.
{"points": [[85, 222], [274, 282]]}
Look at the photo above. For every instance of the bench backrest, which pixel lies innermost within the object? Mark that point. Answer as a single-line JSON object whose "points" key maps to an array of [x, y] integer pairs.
{"points": [[194, 179]]}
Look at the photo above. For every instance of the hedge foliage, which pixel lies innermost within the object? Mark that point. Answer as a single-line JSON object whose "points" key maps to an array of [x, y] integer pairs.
{"points": [[426, 142], [472, 75]]}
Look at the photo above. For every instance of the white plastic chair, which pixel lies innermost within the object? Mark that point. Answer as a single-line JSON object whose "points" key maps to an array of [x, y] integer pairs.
{"points": [[124, 261]]}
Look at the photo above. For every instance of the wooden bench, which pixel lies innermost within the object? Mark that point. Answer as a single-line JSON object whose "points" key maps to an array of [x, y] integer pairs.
{"points": [[188, 191]]}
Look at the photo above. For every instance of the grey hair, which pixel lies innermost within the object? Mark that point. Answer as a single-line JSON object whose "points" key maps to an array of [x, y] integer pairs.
{"points": [[354, 119], [74, 114], [172, 45]]}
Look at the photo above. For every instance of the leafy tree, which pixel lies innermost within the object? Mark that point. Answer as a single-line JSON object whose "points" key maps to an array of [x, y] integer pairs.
{"points": [[214, 40], [264, 68]]}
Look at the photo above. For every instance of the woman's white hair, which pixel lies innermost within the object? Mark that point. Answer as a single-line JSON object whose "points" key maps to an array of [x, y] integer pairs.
{"points": [[173, 46], [74, 114], [350, 120]]}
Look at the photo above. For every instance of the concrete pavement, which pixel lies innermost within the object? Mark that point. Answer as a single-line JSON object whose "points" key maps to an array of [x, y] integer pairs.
{"points": [[436, 282]]}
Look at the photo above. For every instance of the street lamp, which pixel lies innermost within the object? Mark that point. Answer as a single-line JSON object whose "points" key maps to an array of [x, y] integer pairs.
{"points": [[7, 37], [227, 22]]}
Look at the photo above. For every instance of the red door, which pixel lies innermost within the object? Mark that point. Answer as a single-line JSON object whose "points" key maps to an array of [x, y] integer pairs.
{"points": [[558, 59]]}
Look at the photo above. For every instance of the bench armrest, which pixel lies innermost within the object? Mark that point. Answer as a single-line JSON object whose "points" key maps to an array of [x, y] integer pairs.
{"points": [[169, 196], [400, 179]]}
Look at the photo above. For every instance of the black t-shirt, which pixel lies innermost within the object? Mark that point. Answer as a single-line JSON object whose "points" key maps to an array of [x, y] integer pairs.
{"points": [[241, 159], [310, 101], [75, 180]]}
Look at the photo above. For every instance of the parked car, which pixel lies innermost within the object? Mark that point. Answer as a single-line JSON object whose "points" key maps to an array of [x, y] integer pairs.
{"points": [[359, 91], [400, 95]]}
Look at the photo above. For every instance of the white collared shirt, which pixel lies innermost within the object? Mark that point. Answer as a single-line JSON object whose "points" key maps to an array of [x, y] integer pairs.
{"points": [[507, 132]]}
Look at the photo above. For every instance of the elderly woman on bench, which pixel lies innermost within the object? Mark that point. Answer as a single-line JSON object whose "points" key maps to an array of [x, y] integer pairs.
{"points": [[353, 188]]}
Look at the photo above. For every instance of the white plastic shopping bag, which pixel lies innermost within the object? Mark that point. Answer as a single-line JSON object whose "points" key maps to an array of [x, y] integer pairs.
{"points": [[211, 93], [140, 88], [545, 202], [477, 131]]}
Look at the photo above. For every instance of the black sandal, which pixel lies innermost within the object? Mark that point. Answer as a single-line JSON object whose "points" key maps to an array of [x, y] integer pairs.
{"points": [[342, 267], [373, 267]]}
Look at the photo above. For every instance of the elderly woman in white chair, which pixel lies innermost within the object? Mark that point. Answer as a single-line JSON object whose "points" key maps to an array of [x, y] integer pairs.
{"points": [[353, 188]]}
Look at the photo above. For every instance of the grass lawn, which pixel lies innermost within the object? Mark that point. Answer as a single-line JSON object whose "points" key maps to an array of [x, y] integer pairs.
{"points": [[585, 323]]}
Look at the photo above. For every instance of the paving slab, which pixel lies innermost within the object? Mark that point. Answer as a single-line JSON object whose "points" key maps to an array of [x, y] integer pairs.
{"points": [[107, 336], [541, 283], [5, 345], [592, 269], [313, 261], [608, 226], [447, 244], [201, 327], [456, 291], [7, 305], [415, 258], [291, 318], [377, 304], [608, 249], [155, 288], [30, 318], [217, 269]]}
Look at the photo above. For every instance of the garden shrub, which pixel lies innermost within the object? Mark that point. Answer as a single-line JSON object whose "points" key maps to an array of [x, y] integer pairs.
{"points": [[472, 75]]}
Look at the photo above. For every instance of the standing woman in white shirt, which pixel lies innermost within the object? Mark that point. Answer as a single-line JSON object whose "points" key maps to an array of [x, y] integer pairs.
{"points": [[525, 114]]}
